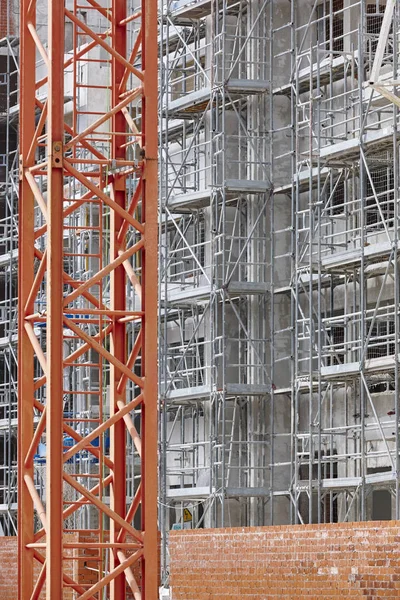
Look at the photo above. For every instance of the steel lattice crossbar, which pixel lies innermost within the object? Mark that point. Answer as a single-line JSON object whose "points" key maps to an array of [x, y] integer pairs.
{"points": [[88, 300]]}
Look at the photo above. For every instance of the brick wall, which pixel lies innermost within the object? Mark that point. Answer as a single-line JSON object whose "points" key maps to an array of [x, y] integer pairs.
{"points": [[324, 562], [86, 571], [90, 569], [3, 18], [9, 569]]}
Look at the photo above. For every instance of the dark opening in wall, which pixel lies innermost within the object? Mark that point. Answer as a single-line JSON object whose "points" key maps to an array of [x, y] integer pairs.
{"points": [[381, 341], [373, 24], [8, 83], [379, 203], [381, 508], [336, 334], [330, 25], [329, 504], [338, 199]]}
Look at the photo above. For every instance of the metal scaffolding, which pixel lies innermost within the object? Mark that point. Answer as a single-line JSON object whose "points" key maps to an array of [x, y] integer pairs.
{"points": [[344, 271], [279, 236], [215, 267], [278, 262]]}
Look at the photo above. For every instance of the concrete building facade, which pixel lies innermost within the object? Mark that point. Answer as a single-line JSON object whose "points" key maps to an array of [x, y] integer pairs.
{"points": [[279, 307]]}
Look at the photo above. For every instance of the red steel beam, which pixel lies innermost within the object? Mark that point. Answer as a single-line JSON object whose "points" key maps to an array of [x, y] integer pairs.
{"points": [[54, 291], [25, 283], [149, 298], [118, 301], [86, 322]]}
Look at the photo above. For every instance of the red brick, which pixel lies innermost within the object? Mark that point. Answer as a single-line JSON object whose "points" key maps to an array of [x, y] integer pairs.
{"points": [[9, 569], [325, 562], [3, 18]]}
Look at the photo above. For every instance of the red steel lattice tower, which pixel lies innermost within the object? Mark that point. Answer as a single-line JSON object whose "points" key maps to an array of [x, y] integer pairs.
{"points": [[88, 171]]}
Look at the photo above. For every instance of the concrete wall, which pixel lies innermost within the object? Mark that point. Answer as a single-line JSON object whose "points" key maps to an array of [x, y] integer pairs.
{"points": [[324, 562]]}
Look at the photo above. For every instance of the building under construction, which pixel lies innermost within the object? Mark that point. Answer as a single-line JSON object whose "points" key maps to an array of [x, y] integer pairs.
{"points": [[278, 273], [278, 281]]}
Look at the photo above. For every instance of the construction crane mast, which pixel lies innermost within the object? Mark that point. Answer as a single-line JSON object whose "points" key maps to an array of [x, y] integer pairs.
{"points": [[88, 301]]}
